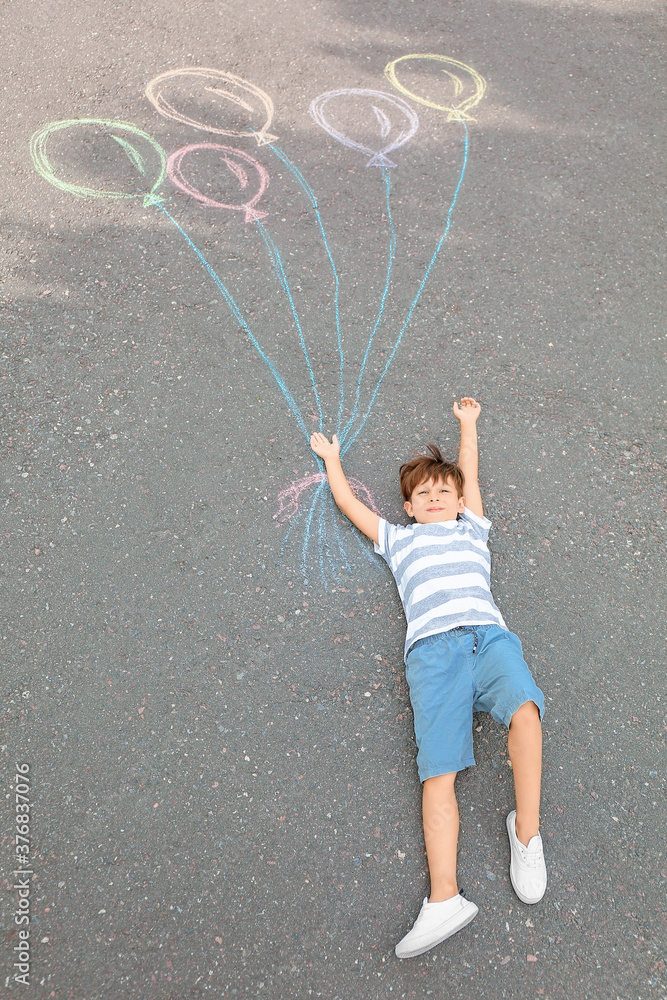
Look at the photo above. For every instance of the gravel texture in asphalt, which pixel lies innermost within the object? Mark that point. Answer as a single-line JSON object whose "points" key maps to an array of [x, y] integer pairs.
{"points": [[202, 677]]}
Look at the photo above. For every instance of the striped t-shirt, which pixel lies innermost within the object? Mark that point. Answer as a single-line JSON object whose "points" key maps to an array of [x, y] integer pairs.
{"points": [[442, 571]]}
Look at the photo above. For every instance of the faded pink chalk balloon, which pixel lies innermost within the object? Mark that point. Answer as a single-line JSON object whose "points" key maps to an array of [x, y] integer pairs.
{"points": [[249, 173]]}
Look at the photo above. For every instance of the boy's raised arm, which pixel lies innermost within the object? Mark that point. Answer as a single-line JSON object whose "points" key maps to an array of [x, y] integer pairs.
{"points": [[467, 414], [362, 516]]}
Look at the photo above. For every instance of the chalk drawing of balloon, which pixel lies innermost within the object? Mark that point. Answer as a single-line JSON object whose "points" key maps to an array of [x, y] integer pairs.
{"points": [[119, 158], [213, 101], [380, 122], [462, 79], [249, 175]]}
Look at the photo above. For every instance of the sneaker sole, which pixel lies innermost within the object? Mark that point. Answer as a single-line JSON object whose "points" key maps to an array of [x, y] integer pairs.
{"points": [[450, 933], [524, 899]]}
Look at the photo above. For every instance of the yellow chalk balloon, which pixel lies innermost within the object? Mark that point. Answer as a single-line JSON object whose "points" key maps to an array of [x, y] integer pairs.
{"points": [[453, 69]]}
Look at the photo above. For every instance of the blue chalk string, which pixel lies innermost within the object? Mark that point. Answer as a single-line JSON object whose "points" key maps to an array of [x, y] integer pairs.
{"points": [[236, 312], [310, 194], [334, 520], [276, 260], [392, 251], [308, 524], [349, 443], [289, 531], [321, 534]]}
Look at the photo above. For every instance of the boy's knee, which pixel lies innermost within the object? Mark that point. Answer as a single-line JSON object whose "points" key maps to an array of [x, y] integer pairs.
{"points": [[526, 714], [440, 784]]}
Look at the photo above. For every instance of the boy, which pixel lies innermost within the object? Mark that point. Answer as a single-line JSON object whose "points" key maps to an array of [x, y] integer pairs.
{"points": [[460, 657]]}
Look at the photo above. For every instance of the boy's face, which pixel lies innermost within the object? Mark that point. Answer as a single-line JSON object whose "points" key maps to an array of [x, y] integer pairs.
{"points": [[435, 500]]}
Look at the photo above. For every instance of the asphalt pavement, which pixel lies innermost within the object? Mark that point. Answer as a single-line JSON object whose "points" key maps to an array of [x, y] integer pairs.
{"points": [[210, 778]]}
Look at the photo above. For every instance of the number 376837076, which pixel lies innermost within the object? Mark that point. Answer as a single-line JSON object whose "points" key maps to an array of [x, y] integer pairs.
{"points": [[22, 793]]}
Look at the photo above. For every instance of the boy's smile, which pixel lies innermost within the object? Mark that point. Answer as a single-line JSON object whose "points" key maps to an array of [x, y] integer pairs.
{"points": [[434, 501]]}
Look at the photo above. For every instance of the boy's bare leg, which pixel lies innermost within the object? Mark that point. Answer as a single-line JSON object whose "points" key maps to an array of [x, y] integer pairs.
{"points": [[524, 744], [440, 813]]}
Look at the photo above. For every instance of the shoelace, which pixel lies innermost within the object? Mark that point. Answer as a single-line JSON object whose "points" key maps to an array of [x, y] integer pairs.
{"points": [[532, 859]]}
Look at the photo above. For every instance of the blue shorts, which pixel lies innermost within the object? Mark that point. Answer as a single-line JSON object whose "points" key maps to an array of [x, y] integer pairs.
{"points": [[473, 668]]}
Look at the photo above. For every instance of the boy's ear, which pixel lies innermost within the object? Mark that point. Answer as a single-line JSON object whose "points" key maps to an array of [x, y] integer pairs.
{"points": [[462, 504], [408, 508]]}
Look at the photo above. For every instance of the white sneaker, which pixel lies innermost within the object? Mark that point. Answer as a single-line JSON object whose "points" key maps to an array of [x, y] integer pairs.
{"points": [[435, 923], [528, 871]]}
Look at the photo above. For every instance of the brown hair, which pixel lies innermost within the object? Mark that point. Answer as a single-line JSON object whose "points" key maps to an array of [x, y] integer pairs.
{"points": [[419, 470]]}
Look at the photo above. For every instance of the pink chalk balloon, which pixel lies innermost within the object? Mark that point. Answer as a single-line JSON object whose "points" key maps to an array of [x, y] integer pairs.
{"points": [[234, 160]]}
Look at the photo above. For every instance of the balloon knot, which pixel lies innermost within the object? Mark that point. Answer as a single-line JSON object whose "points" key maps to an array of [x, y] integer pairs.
{"points": [[380, 160], [252, 215], [152, 199], [264, 138]]}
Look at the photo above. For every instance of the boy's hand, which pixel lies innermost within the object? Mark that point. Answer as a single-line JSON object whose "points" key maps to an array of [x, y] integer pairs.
{"points": [[323, 447], [361, 515], [468, 411]]}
